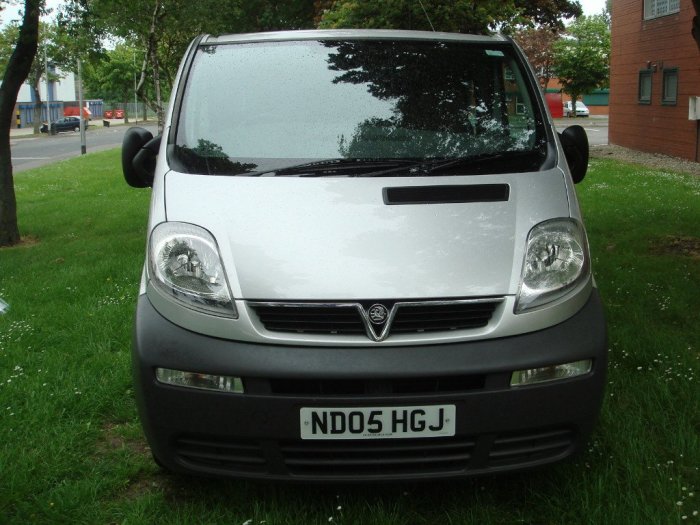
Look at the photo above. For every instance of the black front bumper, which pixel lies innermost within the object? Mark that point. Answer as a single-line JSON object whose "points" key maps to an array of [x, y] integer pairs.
{"points": [[257, 434]]}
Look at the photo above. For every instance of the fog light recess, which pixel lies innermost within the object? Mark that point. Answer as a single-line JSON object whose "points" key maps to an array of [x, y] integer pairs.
{"points": [[199, 381], [546, 374]]}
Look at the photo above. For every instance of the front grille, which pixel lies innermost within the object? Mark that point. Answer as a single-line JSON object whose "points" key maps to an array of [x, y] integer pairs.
{"points": [[304, 319], [364, 459], [351, 318], [442, 317], [368, 458], [514, 449], [227, 455], [375, 387]]}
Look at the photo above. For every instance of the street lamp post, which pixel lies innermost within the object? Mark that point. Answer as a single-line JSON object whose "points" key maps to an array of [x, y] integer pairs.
{"points": [[48, 96], [83, 146], [136, 100]]}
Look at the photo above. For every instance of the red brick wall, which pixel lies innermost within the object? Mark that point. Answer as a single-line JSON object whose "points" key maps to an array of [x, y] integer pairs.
{"points": [[665, 42]]}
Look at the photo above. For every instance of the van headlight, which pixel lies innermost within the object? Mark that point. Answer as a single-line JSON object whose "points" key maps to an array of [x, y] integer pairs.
{"points": [[184, 264], [556, 260]]}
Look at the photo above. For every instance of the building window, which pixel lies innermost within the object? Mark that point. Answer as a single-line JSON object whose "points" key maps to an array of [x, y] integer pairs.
{"points": [[657, 8], [645, 86], [669, 95]]}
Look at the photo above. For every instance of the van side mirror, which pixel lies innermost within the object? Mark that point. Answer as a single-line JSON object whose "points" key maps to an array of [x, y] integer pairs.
{"points": [[139, 154], [575, 143]]}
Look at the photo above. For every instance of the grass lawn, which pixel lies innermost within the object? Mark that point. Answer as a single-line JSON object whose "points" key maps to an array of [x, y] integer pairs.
{"points": [[71, 448]]}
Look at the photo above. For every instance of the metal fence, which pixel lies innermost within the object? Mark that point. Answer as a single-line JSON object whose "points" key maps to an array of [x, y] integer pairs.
{"points": [[131, 110], [23, 117]]}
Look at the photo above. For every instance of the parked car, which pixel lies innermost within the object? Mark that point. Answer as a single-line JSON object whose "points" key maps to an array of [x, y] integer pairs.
{"points": [[64, 124], [372, 264], [581, 109]]}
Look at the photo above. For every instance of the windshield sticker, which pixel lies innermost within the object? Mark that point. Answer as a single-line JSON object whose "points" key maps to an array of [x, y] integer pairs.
{"points": [[494, 53]]}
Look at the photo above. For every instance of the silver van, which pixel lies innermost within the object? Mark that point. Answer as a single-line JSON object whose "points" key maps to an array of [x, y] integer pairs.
{"points": [[365, 261]]}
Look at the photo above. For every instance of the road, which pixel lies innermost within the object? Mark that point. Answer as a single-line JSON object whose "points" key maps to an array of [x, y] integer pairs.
{"points": [[596, 128], [33, 151]]}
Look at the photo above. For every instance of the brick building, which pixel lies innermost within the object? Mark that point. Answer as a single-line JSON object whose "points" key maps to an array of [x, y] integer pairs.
{"points": [[655, 77], [597, 101]]}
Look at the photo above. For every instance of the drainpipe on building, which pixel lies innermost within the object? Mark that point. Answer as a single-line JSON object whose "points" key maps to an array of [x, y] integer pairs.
{"points": [[83, 146], [695, 31]]}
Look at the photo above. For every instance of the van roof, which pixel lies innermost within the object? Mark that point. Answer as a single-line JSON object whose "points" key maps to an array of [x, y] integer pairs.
{"points": [[350, 34]]}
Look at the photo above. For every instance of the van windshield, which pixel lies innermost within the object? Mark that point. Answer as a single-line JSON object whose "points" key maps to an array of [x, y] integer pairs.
{"points": [[357, 107]]}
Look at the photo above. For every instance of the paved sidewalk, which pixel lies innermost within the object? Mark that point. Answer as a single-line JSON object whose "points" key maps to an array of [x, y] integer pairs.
{"points": [[592, 121], [649, 160], [21, 132]]}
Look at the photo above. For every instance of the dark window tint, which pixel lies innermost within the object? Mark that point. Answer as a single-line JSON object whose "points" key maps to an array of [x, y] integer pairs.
{"points": [[670, 87], [645, 87], [258, 107]]}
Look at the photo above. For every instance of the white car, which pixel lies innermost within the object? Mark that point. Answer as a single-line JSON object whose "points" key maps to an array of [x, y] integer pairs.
{"points": [[581, 109], [365, 262]]}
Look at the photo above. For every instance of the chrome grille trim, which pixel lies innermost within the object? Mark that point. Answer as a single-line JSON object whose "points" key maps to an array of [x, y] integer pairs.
{"points": [[263, 308]]}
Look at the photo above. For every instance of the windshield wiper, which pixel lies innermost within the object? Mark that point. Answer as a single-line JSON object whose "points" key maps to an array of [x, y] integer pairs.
{"points": [[474, 165], [339, 166], [412, 167]]}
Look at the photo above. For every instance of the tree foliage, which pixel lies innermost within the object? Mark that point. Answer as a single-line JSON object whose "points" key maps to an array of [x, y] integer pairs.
{"points": [[582, 56], [162, 29], [538, 45], [52, 46], [112, 77], [464, 16]]}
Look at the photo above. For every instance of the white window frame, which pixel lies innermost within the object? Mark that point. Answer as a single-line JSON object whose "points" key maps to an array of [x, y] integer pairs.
{"points": [[669, 97], [644, 76], [659, 8]]}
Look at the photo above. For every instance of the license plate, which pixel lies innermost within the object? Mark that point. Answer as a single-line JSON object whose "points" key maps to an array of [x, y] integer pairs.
{"points": [[378, 422]]}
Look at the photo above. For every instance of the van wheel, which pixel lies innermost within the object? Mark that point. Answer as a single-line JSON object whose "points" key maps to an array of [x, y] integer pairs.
{"points": [[158, 462]]}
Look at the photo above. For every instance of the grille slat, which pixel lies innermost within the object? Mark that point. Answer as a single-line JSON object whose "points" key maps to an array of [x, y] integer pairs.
{"points": [[515, 449], [366, 458], [389, 386], [384, 462], [346, 319], [368, 447], [228, 458], [227, 455]]}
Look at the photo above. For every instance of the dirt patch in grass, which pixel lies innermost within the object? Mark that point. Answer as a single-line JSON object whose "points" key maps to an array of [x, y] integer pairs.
{"points": [[113, 438], [143, 484], [24, 242], [675, 245]]}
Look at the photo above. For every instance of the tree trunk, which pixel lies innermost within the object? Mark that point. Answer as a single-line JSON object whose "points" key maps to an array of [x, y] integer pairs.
{"points": [[9, 230], [37, 107], [156, 83], [151, 50], [16, 73], [574, 98]]}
